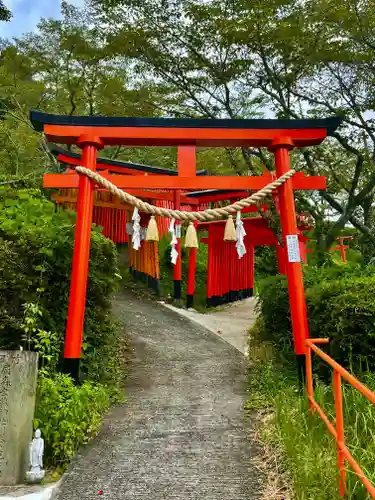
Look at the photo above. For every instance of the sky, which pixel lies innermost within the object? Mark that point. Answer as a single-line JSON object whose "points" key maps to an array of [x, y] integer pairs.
{"points": [[27, 13]]}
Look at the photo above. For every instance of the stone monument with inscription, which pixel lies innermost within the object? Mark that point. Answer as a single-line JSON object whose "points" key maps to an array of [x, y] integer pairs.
{"points": [[18, 375]]}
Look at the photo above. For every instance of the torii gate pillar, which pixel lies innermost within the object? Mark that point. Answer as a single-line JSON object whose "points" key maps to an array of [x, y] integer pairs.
{"points": [[81, 254], [281, 147]]}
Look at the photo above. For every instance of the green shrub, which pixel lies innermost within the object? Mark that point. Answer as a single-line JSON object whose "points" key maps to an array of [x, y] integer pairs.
{"points": [[340, 305], [46, 343], [344, 310], [274, 306], [68, 415], [265, 262], [36, 247]]}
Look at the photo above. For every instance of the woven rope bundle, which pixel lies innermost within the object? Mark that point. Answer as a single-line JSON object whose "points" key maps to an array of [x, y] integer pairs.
{"points": [[204, 215]]}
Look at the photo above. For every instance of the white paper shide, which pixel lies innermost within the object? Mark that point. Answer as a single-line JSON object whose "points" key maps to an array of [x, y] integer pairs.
{"points": [[136, 237], [174, 241], [240, 235]]}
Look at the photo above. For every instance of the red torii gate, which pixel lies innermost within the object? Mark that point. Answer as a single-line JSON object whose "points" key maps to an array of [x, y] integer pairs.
{"points": [[107, 210], [236, 278], [342, 247], [92, 133], [174, 199], [236, 281]]}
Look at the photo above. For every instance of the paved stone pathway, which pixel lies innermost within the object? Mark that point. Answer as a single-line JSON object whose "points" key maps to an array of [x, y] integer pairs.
{"points": [[181, 435], [231, 321]]}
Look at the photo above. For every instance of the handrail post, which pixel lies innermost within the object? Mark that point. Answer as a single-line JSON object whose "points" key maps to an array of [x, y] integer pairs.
{"points": [[340, 431], [309, 378]]}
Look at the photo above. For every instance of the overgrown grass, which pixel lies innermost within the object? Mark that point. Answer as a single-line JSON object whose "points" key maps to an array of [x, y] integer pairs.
{"points": [[307, 451]]}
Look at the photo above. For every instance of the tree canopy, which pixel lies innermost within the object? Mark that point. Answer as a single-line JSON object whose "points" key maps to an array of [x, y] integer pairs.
{"points": [[209, 58]]}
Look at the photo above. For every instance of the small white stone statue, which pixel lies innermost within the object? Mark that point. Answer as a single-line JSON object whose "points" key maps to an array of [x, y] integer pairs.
{"points": [[36, 472]]}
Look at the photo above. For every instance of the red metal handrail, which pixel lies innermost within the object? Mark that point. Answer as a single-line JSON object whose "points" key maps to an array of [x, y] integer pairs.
{"points": [[338, 431]]}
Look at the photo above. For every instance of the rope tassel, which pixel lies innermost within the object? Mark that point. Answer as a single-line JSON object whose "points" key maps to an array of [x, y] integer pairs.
{"points": [[191, 238], [230, 230], [152, 233]]}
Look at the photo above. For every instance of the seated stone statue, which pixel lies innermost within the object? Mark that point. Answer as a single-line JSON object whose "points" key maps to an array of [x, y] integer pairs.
{"points": [[36, 450]]}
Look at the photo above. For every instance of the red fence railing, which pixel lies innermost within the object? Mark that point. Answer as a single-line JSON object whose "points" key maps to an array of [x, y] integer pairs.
{"points": [[337, 430]]}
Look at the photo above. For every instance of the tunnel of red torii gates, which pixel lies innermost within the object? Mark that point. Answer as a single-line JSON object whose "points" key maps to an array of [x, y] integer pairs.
{"points": [[228, 277], [92, 133]]}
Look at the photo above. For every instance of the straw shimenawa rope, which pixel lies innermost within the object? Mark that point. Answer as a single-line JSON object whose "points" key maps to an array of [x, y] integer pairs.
{"points": [[204, 215]]}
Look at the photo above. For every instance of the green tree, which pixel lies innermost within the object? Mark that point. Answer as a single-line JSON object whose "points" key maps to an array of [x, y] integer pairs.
{"points": [[5, 13], [22, 153], [64, 68], [69, 67], [246, 57], [317, 60]]}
